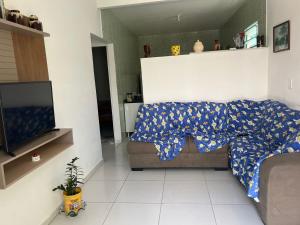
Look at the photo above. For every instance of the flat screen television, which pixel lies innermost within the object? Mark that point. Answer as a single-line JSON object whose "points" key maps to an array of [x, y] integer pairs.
{"points": [[26, 112]]}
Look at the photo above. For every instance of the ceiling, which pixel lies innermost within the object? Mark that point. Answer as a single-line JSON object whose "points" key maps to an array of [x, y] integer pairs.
{"points": [[177, 16]]}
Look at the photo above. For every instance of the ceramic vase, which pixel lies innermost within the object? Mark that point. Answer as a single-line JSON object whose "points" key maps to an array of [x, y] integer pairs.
{"points": [[198, 47], [175, 50], [147, 51]]}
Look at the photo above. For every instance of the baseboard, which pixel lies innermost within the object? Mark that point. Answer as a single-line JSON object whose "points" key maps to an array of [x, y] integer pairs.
{"points": [[52, 216], [91, 173], [118, 142], [56, 211]]}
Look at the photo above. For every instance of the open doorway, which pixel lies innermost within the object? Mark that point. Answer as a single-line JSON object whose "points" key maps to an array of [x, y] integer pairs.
{"points": [[106, 88], [103, 93]]}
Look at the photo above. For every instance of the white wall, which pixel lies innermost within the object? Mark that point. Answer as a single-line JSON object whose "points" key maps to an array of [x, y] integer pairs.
{"points": [[119, 3], [213, 76], [70, 22], [284, 66], [127, 62]]}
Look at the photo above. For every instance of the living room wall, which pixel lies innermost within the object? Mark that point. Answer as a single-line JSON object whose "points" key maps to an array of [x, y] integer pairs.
{"points": [[31, 201], [249, 13], [217, 76], [161, 43], [126, 57], [284, 66]]}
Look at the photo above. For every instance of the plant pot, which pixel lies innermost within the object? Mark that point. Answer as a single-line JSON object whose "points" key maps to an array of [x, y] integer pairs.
{"points": [[73, 203]]}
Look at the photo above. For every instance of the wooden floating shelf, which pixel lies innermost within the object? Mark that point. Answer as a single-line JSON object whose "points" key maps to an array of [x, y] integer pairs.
{"points": [[14, 27], [47, 146]]}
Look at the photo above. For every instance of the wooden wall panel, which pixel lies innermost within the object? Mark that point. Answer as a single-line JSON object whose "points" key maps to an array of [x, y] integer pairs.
{"points": [[30, 57], [8, 68]]}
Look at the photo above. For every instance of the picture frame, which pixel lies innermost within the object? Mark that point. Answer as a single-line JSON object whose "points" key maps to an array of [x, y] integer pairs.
{"points": [[281, 37], [2, 9]]}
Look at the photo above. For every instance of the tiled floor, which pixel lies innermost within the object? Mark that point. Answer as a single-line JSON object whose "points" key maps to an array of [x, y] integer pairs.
{"points": [[117, 196]]}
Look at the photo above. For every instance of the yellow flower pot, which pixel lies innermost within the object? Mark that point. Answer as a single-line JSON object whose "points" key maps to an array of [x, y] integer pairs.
{"points": [[175, 50], [73, 203]]}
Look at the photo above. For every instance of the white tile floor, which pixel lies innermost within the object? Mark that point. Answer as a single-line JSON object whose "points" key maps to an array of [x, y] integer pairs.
{"points": [[117, 196]]}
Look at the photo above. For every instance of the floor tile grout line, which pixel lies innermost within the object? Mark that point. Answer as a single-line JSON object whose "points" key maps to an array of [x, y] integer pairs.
{"points": [[162, 197], [175, 203], [108, 213], [210, 199], [114, 202]]}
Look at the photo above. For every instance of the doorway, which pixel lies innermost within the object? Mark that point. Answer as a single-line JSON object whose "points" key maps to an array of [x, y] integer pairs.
{"points": [[106, 88], [103, 93]]}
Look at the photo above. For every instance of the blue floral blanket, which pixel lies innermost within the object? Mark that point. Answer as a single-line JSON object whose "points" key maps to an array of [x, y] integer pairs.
{"points": [[167, 124], [268, 128], [255, 132]]}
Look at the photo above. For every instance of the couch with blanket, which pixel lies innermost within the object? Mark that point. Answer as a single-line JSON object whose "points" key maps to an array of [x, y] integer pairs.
{"points": [[264, 141], [265, 157], [173, 134]]}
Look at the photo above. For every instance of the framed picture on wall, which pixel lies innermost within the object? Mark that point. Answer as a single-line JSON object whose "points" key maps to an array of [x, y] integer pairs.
{"points": [[281, 37], [2, 10]]}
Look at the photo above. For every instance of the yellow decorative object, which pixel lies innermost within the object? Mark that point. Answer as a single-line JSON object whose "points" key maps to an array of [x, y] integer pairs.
{"points": [[175, 50], [73, 203]]}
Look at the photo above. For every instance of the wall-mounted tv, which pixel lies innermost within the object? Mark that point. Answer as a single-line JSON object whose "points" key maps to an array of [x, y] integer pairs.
{"points": [[26, 112]]}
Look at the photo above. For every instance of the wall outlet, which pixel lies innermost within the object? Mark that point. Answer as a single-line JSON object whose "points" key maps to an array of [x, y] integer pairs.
{"points": [[291, 84]]}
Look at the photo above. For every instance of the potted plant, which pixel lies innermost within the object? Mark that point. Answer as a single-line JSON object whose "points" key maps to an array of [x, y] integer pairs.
{"points": [[71, 190]]}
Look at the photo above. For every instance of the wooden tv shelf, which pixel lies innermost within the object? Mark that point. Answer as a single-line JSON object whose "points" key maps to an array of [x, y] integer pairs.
{"points": [[47, 146], [14, 27]]}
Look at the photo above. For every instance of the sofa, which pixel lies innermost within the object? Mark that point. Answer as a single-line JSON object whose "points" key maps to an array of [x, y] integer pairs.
{"points": [[261, 140], [144, 155], [172, 134]]}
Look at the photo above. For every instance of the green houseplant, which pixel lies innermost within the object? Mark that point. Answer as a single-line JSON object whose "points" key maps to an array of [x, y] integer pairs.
{"points": [[71, 190]]}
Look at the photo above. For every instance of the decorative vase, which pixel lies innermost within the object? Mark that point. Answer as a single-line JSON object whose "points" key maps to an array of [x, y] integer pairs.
{"points": [[73, 203], [147, 51], [217, 45], [35, 23], [198, 47], [175, 50], [14, 16], [239, 40]]}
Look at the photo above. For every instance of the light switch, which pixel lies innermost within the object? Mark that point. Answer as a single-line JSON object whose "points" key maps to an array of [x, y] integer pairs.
{"points": [[291, 84]]}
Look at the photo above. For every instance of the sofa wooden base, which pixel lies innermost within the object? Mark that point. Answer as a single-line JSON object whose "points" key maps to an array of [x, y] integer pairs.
{"points": [[144, 155]]}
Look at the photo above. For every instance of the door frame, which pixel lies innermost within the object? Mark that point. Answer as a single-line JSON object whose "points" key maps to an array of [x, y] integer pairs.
{"points": [[112, 75]]}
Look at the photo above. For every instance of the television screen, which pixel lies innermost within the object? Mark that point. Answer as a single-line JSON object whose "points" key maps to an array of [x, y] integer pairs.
{"points": [[26, 112]]}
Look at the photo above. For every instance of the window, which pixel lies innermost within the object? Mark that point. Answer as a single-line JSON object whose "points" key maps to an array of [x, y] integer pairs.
{"points": [[251, 35]]}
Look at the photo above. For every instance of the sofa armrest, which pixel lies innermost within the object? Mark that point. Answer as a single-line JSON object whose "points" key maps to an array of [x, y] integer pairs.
{"points": [[280, 190]]}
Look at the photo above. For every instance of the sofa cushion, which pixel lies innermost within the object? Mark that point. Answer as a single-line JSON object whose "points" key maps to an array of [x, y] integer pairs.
{"points": [[244, 154], [279, 121], [292, 145], [209, 118], [180, 114], [153, 120], [244, 116], [210, 142], [167, 147]]}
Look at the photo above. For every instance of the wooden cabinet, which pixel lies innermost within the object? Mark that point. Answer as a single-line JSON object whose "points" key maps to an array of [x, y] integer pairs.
{"points": [[47, 146], [23, 58], [22, 53]]}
